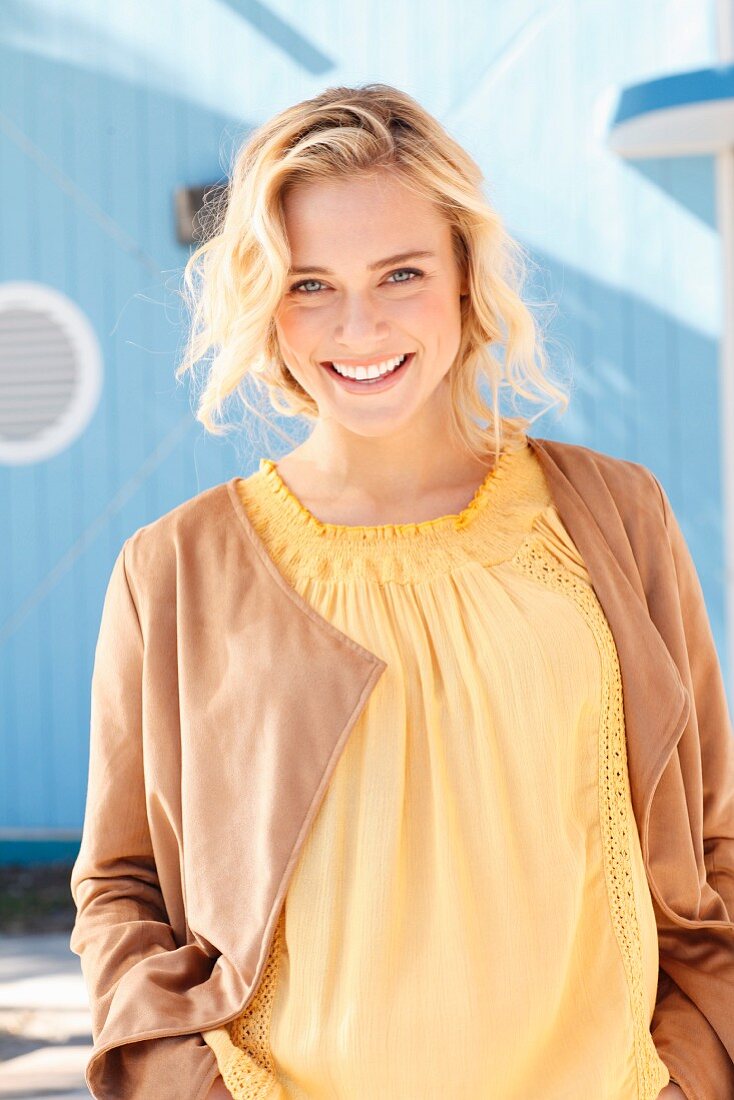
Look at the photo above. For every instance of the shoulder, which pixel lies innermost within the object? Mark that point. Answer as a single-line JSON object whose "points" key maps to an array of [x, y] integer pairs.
{"points": [[187, 534], [599, 476], [576, 456]]}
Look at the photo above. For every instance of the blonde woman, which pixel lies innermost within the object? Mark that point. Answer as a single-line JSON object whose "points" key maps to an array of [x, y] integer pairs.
{"points": [[411, 768]]}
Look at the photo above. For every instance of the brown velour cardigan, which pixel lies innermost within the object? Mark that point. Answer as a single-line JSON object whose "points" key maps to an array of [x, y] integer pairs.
{"points": [[221, 702]]}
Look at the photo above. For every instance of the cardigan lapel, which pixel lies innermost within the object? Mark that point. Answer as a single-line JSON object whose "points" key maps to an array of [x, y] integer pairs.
{"points": [[270, 694]]}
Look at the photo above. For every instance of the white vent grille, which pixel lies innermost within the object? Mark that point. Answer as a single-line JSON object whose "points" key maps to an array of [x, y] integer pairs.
{"points": [[50, 372]]}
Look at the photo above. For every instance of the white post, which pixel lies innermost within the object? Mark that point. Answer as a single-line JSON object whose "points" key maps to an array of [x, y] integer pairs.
{"points": [[725, 218]]}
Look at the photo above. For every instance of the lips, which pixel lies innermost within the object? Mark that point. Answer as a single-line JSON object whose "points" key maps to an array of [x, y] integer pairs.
{"points": [[375, 385]]}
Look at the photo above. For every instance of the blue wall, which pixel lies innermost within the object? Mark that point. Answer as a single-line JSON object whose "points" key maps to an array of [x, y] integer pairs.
{"points": [[106, 109]]}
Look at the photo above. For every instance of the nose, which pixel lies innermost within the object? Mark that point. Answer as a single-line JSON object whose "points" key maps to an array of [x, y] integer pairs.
{"points": [[360, 324]]}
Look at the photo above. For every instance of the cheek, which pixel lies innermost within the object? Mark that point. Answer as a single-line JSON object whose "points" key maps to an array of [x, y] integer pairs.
{"points": [[297, 328], [435, 315]]}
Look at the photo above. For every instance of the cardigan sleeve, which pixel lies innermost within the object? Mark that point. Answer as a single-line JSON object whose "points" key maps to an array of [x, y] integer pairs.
{"points": [[693, 1022], [120, 913]]}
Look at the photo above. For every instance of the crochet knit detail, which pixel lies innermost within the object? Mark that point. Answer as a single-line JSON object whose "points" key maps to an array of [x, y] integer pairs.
{"points": [[242, 1046], [535, 559], [486, 532]]}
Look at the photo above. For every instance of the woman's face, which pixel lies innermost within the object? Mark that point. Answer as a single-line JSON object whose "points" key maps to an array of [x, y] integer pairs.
{"points": [[373, 277]]}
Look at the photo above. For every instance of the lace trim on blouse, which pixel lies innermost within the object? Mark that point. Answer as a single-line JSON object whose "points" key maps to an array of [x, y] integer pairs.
{"points": [[614, 795], [242, 1046]]}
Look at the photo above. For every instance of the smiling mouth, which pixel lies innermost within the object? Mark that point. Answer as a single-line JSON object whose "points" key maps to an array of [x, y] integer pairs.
{"points": [[371, 379]]}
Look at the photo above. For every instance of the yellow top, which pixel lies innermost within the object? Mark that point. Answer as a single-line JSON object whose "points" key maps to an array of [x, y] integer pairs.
{"points": [[470, 915]]}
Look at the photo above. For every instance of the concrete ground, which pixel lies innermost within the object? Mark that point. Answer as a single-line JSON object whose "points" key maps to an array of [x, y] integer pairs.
{"points": [[45, 1027]]}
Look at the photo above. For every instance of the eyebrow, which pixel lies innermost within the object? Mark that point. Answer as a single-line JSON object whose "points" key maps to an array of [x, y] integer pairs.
{"points": [[398, 258]]}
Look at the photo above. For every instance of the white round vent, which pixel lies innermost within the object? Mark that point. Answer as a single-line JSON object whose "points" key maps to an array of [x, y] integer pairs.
{"points": [[50, 372]]}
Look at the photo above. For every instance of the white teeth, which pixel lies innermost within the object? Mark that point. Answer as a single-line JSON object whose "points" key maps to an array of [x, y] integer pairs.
{"points": [[374, 370]]}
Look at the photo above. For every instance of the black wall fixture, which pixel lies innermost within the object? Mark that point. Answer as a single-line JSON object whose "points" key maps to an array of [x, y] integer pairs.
{"points": [[193, 211]]}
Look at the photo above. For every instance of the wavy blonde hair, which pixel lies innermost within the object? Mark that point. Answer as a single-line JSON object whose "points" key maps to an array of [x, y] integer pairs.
{"points": [[234, 281]]}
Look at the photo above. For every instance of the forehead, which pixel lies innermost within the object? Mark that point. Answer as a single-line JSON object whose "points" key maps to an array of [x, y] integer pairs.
{"points": [[367, 217]]}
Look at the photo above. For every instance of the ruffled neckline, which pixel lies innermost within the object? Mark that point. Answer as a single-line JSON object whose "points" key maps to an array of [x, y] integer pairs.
{"points": [[388, 531], [488, 530]]}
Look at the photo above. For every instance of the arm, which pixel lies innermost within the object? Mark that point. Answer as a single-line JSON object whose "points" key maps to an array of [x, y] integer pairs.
{"points": [[693, 1022], [121, 917]]}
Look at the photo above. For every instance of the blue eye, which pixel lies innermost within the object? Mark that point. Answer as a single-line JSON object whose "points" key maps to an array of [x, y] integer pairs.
{"points": [[407, 271], [298, 286], [401, 271]]}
